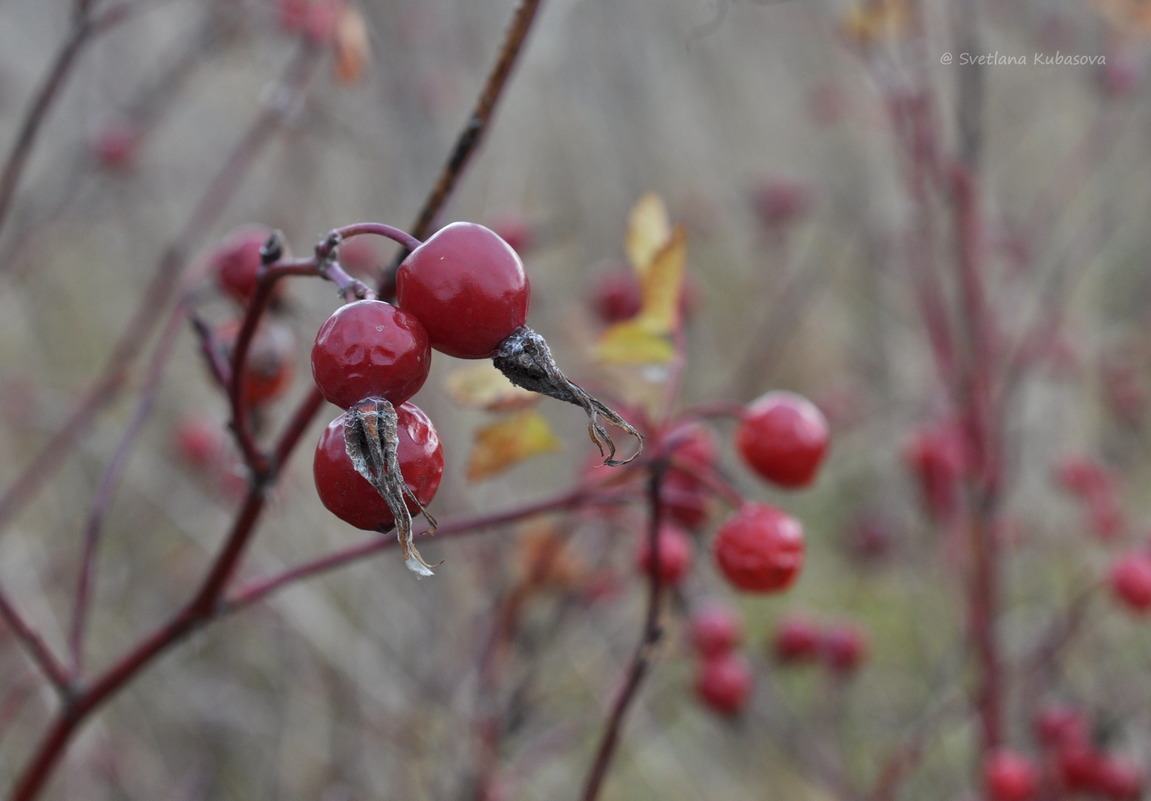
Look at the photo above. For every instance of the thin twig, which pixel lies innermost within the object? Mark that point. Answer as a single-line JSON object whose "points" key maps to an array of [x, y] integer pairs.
{"points": [[33, 643]]}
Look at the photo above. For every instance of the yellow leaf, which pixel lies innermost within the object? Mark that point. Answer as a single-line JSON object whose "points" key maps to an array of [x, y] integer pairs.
{"points": [[662, 285], [508, 442], [869, 20], [634, 342], [648, 231], [485, 387], [647, 337]]}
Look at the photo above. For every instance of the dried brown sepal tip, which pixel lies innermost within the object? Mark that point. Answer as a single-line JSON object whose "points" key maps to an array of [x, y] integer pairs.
{"points": [[526, 360], [372, 440]]}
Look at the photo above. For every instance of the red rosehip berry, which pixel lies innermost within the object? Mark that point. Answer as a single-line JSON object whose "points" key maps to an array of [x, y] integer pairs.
{"points": [[1009, 776], [270, 364], [236, 261], [370, 349], [783, 438], [759, 548], [675, 555], [350, 497], [616, 296], [468, 288], [937, 457], [723, 683], [715, 629], [843, 647], [1130, 578], [796, 639], [1056, 725], [1078, 767], [693, 452], [199, 442], [1118, 779]]}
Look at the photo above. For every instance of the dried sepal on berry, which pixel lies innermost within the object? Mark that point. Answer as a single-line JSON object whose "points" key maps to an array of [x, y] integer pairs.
{"points": [[372, 440], [525, 358]]}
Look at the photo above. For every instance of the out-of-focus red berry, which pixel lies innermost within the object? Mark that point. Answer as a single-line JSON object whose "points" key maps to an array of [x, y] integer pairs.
{"points": [[236, 261], [1130, 578], [783, 437], [936, 457], [199, 442], [715, 629], [759, 548], [843, 647], [1009, 776], [1119, 779], [723, 683], [675, 555], [796, 639], [1057, 725]]}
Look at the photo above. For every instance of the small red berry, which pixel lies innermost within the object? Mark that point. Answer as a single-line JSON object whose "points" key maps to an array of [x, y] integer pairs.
{"points": [[936, 457], [843, 647], [1057, 725], [270, 364], [1118, 779], [796, 639], [350, 497], [236, 261], [199, 442], [616, 296], [1009, 776], [759, 548], [370, 349], [1078, 767], [693, 453], [715, 629], [1130, 578], [783, 437], [468, 288], [675, 555], [723, 683]]}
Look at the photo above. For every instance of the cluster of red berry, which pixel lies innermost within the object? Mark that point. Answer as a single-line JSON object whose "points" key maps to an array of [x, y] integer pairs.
{"points": [[723, 676], [801, 640], [1071, 764], [462, 292]]}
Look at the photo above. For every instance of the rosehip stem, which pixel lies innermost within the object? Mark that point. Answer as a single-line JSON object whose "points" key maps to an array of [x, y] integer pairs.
{"points": [[405, 239]]}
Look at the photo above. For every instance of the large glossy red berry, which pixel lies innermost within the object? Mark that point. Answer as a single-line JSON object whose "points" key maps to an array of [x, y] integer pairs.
{"points": [[1009, 776], [675, 555], [236, 261], [350, 497], [723, 683], [759, 548], [715, 629], [1130, 578], [370, 349], [468, 287], [783, 437]]}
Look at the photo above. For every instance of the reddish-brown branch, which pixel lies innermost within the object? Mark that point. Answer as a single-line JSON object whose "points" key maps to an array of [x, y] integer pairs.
{"points": [[40, 653], [640, 664]]}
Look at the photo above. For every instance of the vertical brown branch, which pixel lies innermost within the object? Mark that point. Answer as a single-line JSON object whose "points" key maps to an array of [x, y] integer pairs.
{"points": [[650, 636]]}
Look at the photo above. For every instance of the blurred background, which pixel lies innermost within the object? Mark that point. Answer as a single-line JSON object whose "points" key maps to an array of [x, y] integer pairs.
{"points": [[772, 132]]}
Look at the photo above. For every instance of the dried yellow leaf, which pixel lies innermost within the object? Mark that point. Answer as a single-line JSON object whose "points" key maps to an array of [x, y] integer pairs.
{"points": [[508, 442], [485, 387], [648, 231]]}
